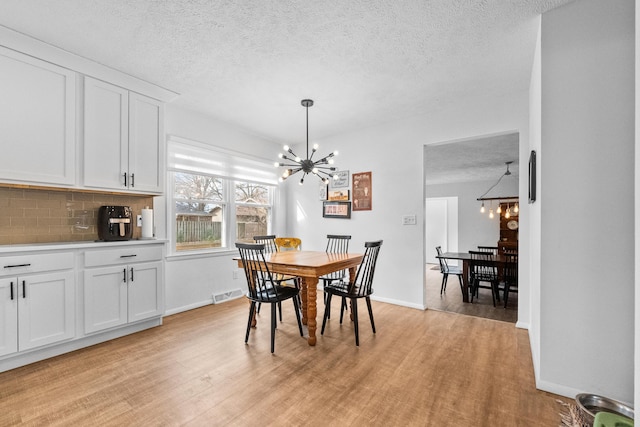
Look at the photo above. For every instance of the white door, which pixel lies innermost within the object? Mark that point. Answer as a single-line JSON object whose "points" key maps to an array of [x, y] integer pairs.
{"points": [[8, 315], [145, 290], [46, 309], [38, 120], [106, 135], [105, 298], [145, 144], [441, 229]]}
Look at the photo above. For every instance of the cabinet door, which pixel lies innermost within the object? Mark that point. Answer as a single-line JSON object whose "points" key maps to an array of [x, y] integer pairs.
{"points": [[37, 128], [146, 144], [8, 316], [145, 291], [46, 309], [105, 298], [106, 128]]}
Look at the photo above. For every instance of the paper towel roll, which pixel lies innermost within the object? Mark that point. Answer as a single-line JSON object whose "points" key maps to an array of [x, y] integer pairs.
{"points": [[147, 223]]}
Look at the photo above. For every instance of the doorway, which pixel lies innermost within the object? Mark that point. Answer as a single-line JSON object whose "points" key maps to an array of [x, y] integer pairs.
{"points": [[464, 170]]}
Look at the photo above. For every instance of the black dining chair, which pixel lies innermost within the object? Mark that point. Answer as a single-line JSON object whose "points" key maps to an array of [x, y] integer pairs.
{"points": [[493, 250], [483, 269], [510, 276], [262, 288], [446, 270], [271, 246], [336, 244], [361, 287]]}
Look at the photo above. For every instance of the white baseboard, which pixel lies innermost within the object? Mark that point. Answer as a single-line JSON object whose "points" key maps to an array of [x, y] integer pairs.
{"points": [[188, 307]]}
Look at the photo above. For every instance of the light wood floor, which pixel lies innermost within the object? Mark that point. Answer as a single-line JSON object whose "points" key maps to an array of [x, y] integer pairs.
{"points": [[451, 299], [422, 368]]}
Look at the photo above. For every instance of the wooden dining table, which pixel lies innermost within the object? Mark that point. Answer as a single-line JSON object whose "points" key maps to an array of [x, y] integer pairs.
{"points": [[465, 257], [310, 266]]}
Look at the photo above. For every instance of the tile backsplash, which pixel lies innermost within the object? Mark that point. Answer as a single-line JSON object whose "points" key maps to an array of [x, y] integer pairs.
{"points": [[44, 216]]}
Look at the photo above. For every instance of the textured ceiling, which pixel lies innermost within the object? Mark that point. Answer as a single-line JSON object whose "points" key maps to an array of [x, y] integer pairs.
{"points": [[478, 159], [251, 62]]}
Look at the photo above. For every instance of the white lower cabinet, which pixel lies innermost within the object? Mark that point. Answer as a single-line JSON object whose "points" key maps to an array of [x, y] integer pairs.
{"points": [[36, 309], [125, 292]]}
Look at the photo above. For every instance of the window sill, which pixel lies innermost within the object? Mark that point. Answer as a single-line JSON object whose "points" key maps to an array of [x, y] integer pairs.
{"points": [[179, 256]]}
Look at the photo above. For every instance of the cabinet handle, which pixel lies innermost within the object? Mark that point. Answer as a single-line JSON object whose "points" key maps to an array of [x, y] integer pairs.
{"points": [[125, 179], [124, 275], [11, 291], [132, 274], [133, 180], [17, 265], [24, 289], [128, 256]]}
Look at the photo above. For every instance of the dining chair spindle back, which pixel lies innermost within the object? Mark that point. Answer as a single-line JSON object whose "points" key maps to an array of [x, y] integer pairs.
{"points": [[446, 270], [262, 288], [482, 269], [360, 287]]}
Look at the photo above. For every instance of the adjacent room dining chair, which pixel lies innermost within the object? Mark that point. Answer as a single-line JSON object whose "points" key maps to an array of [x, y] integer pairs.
{"points": [[263, 288], [493, 250], [510, 276], [482, 269], [446, 270], [360, 287]]}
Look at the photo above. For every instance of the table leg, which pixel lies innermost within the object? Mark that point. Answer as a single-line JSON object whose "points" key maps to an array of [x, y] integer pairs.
{"points": [[465, 281], [303, 298], [311, 286]]}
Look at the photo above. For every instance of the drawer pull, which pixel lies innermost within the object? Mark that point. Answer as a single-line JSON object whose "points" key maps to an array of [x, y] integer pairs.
{"points": [[124, 275], [128, 256], [11, 291], [24, 289], [17, 265], [132, 274]]}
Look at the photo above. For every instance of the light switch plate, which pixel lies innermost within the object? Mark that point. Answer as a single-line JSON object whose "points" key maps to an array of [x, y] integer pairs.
{"points": [[408, 220]]}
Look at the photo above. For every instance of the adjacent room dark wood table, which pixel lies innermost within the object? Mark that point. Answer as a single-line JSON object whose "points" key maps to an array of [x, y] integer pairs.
{"points": [[309, 266], [465, 257]]}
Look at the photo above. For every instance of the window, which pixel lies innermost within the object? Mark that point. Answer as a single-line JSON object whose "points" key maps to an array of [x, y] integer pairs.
{"points": [[218, 198], [253, 210]]}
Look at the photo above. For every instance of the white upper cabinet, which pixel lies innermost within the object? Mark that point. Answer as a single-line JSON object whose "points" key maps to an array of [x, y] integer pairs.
{"points": [[123, 137], [37, 121], [146, 141]]}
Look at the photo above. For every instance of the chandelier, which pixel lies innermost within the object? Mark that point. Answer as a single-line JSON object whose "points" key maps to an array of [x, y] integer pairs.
{"points": [[508, 199], [307, 166]]}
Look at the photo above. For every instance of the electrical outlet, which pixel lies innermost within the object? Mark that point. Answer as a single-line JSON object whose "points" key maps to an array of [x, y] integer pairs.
{"points": [[139, 220], [408, 220]]}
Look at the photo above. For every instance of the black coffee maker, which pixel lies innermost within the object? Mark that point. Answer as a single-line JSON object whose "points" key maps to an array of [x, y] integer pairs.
{"points": [[115, 223]]}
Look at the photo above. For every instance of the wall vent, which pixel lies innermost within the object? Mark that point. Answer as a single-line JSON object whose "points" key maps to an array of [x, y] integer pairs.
{"points": [[226, 296]]}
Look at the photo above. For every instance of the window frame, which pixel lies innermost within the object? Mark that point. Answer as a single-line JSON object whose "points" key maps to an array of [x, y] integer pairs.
{"points": [[229, 213]]}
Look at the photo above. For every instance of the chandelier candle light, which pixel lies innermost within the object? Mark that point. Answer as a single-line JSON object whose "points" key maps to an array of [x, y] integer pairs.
{"points": [[307, 166]]}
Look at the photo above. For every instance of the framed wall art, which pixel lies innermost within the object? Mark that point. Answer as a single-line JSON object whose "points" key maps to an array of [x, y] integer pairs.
{"points": [[323, 192], [338, 195], [336, 210], [341, 182], [361, 192]]}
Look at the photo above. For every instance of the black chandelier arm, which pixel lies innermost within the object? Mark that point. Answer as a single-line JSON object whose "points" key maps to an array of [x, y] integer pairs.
{"points": [[326, 167], [295, 165]]}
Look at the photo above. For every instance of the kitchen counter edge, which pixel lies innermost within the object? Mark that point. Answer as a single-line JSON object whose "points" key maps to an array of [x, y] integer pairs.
{"points": [[9, 249]]}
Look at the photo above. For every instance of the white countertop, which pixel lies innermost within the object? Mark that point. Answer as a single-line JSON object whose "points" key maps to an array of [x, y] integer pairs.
{"points": [[8, 249]]}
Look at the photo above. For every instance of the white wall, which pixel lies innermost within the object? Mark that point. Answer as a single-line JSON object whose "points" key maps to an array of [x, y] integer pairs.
{"points": [[191, 280], [533, 224], [394, 154], [637, 210], [474, 228], [587, 275]]}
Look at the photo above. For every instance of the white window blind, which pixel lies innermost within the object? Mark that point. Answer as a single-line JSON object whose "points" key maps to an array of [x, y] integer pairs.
{"points": [[198, 158]]}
